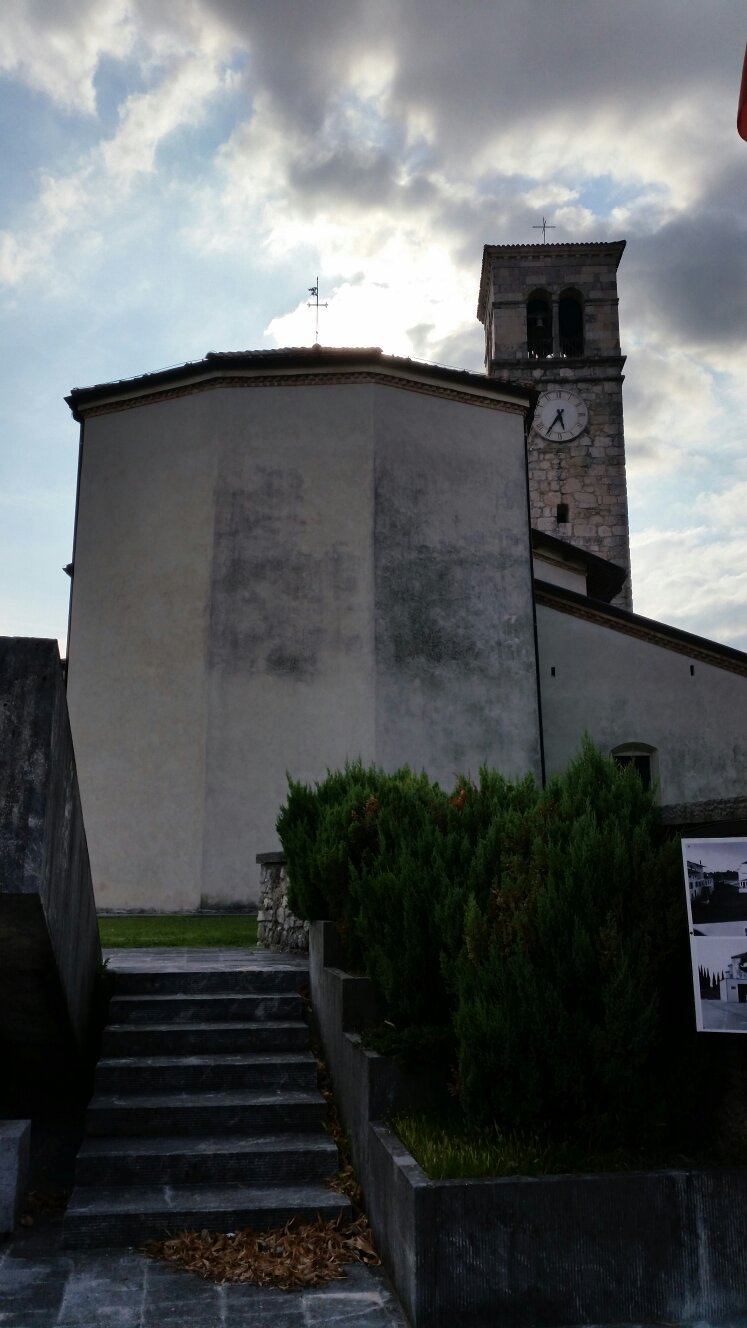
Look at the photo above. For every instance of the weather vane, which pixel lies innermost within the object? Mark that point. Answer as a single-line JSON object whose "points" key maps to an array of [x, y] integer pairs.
{"points": [[314, 304], [544, 228]]}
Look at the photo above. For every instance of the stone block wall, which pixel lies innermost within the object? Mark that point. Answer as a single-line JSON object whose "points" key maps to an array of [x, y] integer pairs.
{"points": [[50, 953], [277, 928], [588, 473]]}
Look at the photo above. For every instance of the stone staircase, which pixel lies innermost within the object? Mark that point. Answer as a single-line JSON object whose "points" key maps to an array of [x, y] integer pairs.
{"points": [[206, 1112]]}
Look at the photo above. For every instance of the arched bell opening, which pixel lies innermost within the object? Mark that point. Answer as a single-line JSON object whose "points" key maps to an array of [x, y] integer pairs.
{"points": [[539, 326], [571, 323]]}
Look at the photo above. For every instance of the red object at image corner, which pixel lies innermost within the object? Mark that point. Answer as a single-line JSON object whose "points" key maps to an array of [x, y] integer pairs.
{"points": [[742, 108]]}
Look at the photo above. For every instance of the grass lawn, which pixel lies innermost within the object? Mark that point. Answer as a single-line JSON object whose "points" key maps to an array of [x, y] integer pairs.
{"points": [[447, 1149], [227, 929]]}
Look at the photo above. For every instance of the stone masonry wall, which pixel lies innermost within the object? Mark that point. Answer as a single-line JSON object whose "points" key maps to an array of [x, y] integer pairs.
{"points": [[277, 927], [50, 952], [588, 473]]}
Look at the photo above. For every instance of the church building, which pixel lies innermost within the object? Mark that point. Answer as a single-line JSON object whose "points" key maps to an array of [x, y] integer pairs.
{"points": [[286, 559]]}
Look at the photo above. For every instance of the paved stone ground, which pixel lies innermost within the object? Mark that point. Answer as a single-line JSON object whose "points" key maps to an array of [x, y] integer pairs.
{"points": [[45, 1286]]}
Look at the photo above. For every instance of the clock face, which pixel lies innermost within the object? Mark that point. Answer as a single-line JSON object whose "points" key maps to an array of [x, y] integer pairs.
{"points": [[560, 415]]}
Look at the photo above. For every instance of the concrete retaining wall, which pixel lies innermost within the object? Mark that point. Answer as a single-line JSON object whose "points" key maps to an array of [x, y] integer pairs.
{"points": [[630, 1248], [15, 1138], [49, 940]]}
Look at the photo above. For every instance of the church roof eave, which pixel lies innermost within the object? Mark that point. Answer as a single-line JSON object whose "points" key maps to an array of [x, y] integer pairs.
{"points": [[315, 361], [604, 578], [646, 629]]}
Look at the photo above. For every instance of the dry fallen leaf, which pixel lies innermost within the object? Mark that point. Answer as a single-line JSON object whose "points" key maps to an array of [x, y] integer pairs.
{"points": [[301, 1254]]}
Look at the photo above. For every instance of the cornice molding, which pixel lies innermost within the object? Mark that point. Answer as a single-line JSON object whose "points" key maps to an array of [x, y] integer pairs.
{"points": [[145, 397]]}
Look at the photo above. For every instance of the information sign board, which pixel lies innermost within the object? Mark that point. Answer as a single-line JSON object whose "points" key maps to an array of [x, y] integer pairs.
{"points": [[715, 872]]}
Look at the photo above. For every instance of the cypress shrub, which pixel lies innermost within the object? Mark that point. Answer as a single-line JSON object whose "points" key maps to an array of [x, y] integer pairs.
{"points": [[573, 1016], [391, 859], [342, 836], [397, 893]]}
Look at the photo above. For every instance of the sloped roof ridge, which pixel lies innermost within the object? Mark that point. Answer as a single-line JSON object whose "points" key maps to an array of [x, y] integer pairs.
{"points": [[351, 359], [635, 624]]}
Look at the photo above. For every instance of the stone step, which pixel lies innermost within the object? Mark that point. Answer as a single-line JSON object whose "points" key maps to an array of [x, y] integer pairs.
{"points": [[204, 1113], [162, 1074], [202, 1038], [206, 1008], [255, 980], [130, 1215], [269, 1159]]}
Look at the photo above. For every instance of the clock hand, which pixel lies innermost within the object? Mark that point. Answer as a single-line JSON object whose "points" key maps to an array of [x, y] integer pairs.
{"points": [[559, 416]]}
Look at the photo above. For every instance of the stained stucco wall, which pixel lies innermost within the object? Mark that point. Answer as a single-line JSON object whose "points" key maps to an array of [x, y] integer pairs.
{"points": [[455, 669], [277, 579], [290, 668], [138, 642], [624, 690]]}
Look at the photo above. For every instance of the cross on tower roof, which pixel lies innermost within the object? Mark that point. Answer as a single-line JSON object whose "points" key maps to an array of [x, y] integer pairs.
{"points": [[544, 228]]}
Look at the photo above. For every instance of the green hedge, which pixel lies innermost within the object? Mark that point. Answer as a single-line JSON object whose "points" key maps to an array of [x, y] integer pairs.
{"points": [[542, 932], [574, 1011]]}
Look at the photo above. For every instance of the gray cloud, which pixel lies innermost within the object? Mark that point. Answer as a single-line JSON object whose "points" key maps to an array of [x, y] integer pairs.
{"points": [[691, 275], [474, 70], [473, 67]]}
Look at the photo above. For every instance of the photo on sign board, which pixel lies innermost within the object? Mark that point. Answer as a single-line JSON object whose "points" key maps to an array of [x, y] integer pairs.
{"points": [[720, 983], [716, 886]]}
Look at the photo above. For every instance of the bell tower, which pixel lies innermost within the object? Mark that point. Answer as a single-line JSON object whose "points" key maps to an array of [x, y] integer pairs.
{"points": [[550, 318]]}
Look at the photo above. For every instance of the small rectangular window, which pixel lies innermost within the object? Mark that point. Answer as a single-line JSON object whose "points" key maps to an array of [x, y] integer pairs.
{"points": [[640, 760]]}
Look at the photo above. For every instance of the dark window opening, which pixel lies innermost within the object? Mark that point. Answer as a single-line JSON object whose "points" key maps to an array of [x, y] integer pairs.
{"points": [[539, 327], [571, 324], [692, 670], [562, 514], [641, 761]]}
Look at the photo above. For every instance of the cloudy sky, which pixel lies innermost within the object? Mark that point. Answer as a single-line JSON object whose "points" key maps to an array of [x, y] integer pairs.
{"points": [[175, 173]]}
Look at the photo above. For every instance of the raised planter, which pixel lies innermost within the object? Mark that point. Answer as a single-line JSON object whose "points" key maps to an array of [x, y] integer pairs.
{"points": [[628, 1248]]}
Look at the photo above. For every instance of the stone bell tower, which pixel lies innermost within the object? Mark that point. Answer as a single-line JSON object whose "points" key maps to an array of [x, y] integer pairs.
{"points": [[550, 318]]}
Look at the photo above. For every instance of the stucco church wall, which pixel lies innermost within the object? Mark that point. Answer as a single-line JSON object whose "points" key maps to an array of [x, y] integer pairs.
{"points": [[136, 680], [456, 678], [621, 689], [275, 579], [291, 656]]}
